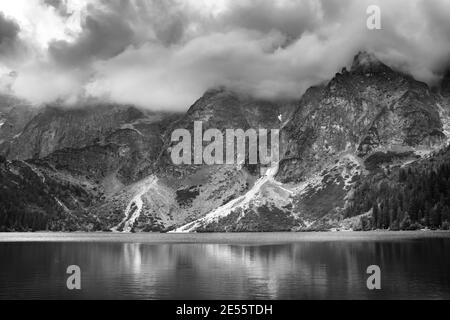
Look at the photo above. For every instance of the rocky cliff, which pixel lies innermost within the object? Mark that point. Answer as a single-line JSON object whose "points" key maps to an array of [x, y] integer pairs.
{"points": [[341, 134]]}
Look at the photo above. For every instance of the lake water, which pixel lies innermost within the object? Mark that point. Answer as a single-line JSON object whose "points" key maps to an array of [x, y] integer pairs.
{"points": [[226, 266]]}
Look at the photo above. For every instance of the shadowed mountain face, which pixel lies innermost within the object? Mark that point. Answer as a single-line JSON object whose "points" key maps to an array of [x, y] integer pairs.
{"points": [[445, 85], [7, 102], [55, 129], [108, 167], [14, 116]]}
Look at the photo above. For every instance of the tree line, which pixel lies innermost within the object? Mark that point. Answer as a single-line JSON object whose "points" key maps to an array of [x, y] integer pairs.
{"points": [[408, 198]]}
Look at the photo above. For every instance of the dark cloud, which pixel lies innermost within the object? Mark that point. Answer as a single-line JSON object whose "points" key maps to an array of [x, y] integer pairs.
{"points": [[104, 36], [265, 16], [114, 25], [165, 53], [9, 31], [12, 48], [164, 21], [57, 4]]}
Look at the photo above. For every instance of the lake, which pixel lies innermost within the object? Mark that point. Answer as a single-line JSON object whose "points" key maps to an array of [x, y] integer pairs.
{"points": [[414, 265]]}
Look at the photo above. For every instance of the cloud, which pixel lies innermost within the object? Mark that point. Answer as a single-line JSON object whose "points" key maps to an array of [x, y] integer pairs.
{"points": [[291, 18], [103, 37], [59, 5], [111, 26], [163, 54], [163, 77], [9, 31]]}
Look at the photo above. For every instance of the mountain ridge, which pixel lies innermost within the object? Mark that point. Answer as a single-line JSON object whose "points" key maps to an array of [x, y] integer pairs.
{"points": [[110, 169]]}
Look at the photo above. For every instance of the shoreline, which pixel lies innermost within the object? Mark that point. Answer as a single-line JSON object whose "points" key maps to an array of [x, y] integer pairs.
{"points": [[220, 238]]}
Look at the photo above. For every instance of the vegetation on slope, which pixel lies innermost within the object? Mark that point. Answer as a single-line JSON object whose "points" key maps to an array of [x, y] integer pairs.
{"points": [[406, 198]]}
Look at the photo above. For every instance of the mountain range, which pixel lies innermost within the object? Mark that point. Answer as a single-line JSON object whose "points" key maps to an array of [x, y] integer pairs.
{"points": [[366, 150]]}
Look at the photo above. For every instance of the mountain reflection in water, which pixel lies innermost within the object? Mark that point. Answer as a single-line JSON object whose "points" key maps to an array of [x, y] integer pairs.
{"points": [[411, 268]]}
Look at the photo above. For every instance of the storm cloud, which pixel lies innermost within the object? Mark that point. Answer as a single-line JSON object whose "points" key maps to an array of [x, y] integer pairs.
{"points": [[161, 54], [9, 31]]}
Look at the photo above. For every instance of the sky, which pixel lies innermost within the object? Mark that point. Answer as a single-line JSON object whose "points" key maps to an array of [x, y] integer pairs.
{"points": [[164, 54]]}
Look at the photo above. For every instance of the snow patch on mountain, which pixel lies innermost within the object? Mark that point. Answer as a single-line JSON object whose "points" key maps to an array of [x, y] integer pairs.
{"points": [[274, 195], [242, 202], [135, 206], [445, 118]]}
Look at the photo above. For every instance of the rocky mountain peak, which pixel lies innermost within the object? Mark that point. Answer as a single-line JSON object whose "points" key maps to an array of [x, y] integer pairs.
{"points": [[367, 62], [221, 107], [369, 108]]}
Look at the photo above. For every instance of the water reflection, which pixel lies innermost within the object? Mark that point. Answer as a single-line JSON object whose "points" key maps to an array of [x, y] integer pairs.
{"points": [[318, 270]]}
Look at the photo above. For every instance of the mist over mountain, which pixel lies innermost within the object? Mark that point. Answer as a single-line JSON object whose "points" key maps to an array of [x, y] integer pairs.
{"points": [[164, 55]]}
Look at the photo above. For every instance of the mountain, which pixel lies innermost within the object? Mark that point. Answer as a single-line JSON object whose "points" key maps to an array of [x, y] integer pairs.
{"points": [[122, 156], [14, 116], [38, 197], [7, 102], [54, 129], [103, 167], [89, 152], [339, 135], [180, 194], [370, 108], [406, 197]]}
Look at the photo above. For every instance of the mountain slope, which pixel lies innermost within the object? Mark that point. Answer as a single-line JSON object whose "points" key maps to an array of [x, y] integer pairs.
{"points": [[55, 129], [35, 197], [119, 149], [340, 133], [192, 191]]}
